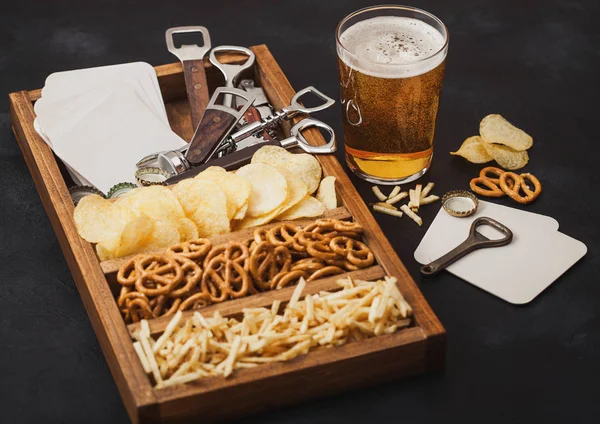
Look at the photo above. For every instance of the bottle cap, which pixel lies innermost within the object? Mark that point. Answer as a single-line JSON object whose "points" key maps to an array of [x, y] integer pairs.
{"points": [[460, 203], [120, 189], [79, 192], [151, 176]]}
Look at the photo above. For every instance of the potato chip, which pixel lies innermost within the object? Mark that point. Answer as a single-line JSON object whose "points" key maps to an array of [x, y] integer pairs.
{"points": [[269, 188], [302, 165], [157, 202], [236, 189], [506, 157], [187, 229], [495, 129], [98, 219], [164, 234], [472, 149], [107, 249], [309, 207], [193, 192], [135, 235], [297, 190], [327, 194]]}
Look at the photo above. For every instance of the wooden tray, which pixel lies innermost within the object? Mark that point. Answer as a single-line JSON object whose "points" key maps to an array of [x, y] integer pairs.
{"points": [[417, 349]]}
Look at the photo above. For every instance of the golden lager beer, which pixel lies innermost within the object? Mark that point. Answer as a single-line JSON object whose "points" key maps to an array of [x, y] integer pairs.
{"points": [[391, 64]]}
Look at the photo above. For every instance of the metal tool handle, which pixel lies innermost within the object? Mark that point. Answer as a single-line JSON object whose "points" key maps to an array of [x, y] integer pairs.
{"points": [[188, 51], [296, 107], [475, 241], [231, 71], [297, 138], [192, 60], [216, 124]]}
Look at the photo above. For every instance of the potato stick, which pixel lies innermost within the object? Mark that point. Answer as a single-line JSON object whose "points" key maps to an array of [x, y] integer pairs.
{"points": [[275, 307], [417, 198], [394, 192], [168, 330], [387, 211], [180, 379], [396, 198], [140, 352], [144, 341], [385, 205], [411, 198], [297, 292], [377, 192], [412, 215], [232, 356], [426, 190], [429, 199]]}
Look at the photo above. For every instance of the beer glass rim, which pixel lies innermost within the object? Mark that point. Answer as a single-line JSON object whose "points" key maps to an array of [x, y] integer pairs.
{"points": [[445, 33]]}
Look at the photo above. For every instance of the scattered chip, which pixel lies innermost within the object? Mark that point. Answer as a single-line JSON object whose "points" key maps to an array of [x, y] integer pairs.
{"points": [[304, 166], [495, 129], [506, 157], [326, 193], [309, 207], [98, 219], [473, 150], [269, 188], [236, 189]]}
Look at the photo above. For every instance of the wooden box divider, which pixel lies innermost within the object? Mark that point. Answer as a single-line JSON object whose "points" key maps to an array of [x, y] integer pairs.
{"points": [[416, 349]]}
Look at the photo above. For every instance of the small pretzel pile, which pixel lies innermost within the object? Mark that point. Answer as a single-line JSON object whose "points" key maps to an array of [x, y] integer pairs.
{"points": [[193, 274], [495, 182]]}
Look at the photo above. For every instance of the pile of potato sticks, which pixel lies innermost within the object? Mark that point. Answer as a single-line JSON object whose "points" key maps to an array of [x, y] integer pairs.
{"points": [[205, 347]]}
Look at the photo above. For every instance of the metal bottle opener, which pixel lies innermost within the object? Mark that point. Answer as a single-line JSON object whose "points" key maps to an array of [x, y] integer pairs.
{"points": [[231, 71], [262, 102], [192, 59], [243, 156], [475, 241]]}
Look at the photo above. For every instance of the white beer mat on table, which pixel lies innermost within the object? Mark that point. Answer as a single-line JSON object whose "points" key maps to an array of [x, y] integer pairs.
{"points": [[518, 272]]}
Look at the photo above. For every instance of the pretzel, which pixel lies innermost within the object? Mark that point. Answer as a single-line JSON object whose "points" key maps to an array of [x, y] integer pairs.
{"points": [[335, 227], [282, 234], [163, 306], [343, 263], [322, 250], [195, 301], [519, 183], [266, 261], [133, 305], [224, 277], [191, 276], [309, 265], [496, 172], [356, 252], [151, 275], [492, 189], [325, 272], [284, 279], [303, 238], [193, 249]]}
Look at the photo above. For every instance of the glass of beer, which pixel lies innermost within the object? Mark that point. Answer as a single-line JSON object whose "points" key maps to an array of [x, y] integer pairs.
{"points": [[391, 63]]}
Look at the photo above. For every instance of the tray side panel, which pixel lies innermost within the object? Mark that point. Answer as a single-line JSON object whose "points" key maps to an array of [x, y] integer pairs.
{"points": [[99, 303]]}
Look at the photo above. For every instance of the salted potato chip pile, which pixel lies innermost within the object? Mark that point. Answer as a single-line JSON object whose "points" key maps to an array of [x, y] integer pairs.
{"points": [[277, 185], [203, 347], [498, 140]]}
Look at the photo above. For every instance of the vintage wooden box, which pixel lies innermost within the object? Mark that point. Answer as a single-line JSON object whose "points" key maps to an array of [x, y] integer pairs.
{"points": [[414, 350]]}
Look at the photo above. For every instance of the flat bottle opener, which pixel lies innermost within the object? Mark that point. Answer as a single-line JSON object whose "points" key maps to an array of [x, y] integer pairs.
{"points": [[243, 156], [475, 241], [192, 60]]}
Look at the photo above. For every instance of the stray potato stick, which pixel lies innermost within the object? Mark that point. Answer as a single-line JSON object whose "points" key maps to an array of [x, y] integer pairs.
{"points": [[429, 199], [417, 201], [382, 197], [385, 205], [394, 192], [412, 215], [396, 198], [217, 346], [387, 211], [426, 190]]}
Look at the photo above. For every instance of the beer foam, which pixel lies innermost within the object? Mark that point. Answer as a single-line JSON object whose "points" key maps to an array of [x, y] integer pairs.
{"points": [[377, 44]]}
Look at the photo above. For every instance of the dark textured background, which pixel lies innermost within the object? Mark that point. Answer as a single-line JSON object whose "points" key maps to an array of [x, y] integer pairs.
{"points": [[534, 62]]}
